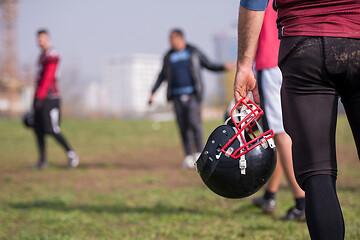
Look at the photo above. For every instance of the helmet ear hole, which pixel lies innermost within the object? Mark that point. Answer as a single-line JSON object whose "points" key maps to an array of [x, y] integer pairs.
{"points": [[218, 148], [218, 151]]}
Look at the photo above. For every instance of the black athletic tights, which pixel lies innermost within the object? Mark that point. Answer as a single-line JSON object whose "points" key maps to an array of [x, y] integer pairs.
{"points": [[316, 71], [40, 136], [323, 213]]}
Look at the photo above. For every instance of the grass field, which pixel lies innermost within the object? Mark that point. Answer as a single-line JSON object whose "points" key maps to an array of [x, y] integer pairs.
{"points": [[129, 185]]}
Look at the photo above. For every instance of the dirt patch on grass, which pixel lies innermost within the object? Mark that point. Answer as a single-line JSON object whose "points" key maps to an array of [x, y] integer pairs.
{"points": [[158, 168], [153, 169]]}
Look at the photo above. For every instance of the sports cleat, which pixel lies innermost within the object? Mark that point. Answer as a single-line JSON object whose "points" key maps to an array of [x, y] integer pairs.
{"points": [[196, 156], [188, 162], [268, 206], [294, 214], [73, 159], [39, 165]]}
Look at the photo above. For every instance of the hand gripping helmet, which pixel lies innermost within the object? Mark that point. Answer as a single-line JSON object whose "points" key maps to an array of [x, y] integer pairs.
{"points": [[235, 162]]}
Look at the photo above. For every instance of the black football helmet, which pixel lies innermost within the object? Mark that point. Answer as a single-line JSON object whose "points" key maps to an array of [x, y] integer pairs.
{"points": [[28, 119], [238, 158]]}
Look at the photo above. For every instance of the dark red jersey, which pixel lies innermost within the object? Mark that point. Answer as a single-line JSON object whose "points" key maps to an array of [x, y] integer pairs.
{"points": [[330, 18], [46, 80]]}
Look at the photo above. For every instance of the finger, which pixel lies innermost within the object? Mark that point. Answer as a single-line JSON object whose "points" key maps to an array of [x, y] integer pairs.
{"points": [[237, 96], [256, 95], [247, 97]]}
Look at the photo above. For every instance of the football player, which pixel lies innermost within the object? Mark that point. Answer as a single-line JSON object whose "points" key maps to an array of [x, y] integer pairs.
{"points": [[47, 102], [319, 60]]}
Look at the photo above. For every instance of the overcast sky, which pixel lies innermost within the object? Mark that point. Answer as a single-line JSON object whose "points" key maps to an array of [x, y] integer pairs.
{"points": [[87, 32]]}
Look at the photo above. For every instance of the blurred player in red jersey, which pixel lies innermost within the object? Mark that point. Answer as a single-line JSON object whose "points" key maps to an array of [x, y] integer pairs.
{"points": [[47, 102]]}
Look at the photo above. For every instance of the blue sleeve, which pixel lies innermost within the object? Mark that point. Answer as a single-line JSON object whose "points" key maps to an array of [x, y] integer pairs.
{"points": [[256, 5]]}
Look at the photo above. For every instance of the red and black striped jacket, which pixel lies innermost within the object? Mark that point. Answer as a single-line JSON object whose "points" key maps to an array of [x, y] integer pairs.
{"points": [[46, 86]]}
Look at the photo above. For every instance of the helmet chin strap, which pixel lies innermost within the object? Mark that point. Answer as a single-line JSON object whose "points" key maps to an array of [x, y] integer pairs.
{"points": [[244, 119], [243, 113], [239, 117]]}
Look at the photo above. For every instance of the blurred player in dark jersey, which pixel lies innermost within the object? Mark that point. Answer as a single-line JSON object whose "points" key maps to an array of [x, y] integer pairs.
{"points": [[182, 70], [47, 102]]}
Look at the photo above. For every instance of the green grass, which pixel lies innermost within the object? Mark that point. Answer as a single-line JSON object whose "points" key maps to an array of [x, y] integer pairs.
{"points": [[129, 185]]}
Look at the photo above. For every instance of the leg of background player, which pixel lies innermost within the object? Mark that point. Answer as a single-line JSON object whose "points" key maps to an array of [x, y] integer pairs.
{"points": [[61, 140]]}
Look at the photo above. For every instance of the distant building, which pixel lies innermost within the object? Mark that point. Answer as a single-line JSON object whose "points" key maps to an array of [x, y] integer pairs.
{"points": [[226, 45], [16, 95], [226, 51], [95, 100], [128, 80]]}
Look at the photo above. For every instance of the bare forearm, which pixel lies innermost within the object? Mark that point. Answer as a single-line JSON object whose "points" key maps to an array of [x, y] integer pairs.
{"points": [[250, 23], [249, 27]]}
